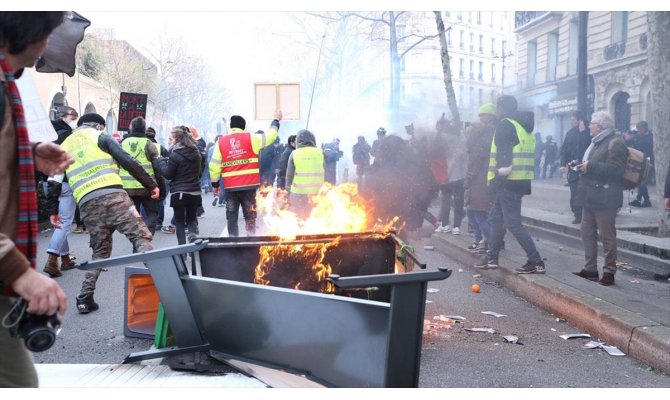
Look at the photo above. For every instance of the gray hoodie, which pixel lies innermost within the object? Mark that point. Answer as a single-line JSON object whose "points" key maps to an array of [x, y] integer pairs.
{"points": [[304, 138]]}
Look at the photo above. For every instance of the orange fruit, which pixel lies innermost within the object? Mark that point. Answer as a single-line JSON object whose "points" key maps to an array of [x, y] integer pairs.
{"points": [[475, 288]]}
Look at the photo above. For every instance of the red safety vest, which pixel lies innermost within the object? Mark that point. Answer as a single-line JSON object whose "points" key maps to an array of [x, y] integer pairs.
{"points": [[239, 163]]}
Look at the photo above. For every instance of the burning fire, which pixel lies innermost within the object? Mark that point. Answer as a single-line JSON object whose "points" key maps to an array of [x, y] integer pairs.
{"points": [[335, 210]]}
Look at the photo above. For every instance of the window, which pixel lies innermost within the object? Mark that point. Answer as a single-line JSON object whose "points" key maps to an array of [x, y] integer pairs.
{"points": [[471, 97], [573, 48], [461, 73], [470, 16], [493, 47], [472, 69], [447, 14], [504, 47], [461, 94], [491, 20], [493, 73], [552, 56], [479, 17], [460, 16], [619, 26], [481, 44], [480, 76], [472, 41], [493, 96], [449, 38], [532, 63], [461, 43], [481, 96]]}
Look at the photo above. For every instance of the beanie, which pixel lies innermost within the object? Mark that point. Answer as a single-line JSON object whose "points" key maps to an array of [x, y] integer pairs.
{"points": [[237, 122], [91, 117], [487, 108], [151, 132]]}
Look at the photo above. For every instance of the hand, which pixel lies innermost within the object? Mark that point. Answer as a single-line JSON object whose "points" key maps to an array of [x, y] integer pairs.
{"points": [[42, 293], [666, 202], [583, 167], [56, 221], [155, 193], [278, 115], [51, 159], [563, 170], [217, 192], [504, 171]]}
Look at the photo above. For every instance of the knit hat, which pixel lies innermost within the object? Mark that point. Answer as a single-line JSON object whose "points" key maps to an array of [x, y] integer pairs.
{"points": [[237, 122], [487, 108], [91, 117], [151, 132]]}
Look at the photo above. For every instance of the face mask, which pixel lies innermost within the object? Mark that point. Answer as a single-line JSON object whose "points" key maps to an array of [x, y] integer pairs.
{"points": [[73, 124]]}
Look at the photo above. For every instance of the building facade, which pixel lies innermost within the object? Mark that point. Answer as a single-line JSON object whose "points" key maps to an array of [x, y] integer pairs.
{"points": [[547, 45]]}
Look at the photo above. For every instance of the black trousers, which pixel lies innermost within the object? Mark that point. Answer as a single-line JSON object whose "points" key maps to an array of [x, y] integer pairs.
{"points": [[246, 199], [574, 204]]}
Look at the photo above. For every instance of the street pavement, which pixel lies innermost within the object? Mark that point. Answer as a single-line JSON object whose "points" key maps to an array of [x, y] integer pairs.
{"points": [[633, 315]]}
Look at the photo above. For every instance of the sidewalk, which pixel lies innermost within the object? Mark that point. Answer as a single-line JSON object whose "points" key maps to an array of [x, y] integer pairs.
{"points": [[633, 315]]}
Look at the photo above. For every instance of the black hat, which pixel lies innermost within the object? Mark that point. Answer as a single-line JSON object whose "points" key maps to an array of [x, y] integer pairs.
{"points": [[237, 122], [91, 117], [151, 132]]}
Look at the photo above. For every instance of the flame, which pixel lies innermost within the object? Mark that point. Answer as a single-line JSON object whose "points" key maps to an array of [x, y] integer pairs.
{"points": [[335, 210]]}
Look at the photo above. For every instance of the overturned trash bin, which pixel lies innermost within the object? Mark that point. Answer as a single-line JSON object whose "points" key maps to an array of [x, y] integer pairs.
{"points": [[364, 331]]}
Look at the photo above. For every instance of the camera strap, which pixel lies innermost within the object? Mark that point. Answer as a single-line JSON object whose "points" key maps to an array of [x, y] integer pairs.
{"points": [[19, 308]]}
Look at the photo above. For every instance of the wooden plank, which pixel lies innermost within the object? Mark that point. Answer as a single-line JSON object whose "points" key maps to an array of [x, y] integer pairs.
{"points": [[273, 377]]}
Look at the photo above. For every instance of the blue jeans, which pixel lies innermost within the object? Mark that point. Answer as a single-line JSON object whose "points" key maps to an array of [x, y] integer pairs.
{"points": [[480, 224], [506, 213], [58, 244]]}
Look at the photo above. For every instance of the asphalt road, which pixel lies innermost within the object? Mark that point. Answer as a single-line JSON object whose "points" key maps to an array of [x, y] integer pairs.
{"points": [[451, 357]]}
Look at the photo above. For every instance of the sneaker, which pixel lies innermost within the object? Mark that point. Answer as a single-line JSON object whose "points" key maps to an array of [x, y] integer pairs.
{"points": [[635, 203], [576, 221], [443, 229], [215, 201], [607, 279], [190, 238], [487, 263], [473, 246], [86, 304], [646, 204], [169, 229], [78, 229], [592, 276], [530, 268], [456, 231]]}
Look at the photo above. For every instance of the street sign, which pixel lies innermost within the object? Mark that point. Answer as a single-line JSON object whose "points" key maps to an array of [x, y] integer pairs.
{"points": [[131, 105], [277, 96]]}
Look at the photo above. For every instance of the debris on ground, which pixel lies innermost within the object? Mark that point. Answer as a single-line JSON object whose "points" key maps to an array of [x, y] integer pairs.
{"points": [[428, 301], [489, 330], [512, 339], [575, 335], [634, 281], [493, 313], [560, 320], [457, 318], [593, 344], [475, 288], [611, 350], [437, 326], [431, 248], [460, 270], [432, 290], [477, 275]]}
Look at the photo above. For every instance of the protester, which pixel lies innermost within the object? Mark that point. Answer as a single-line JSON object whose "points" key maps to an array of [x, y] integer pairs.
{"points": [[577, 139], [452, 193], [269, 159], [361, 158], [331, 155], [601, 195], [220, 198], [283, 161], [643, 141], [305, 173], [160, 180], [23, 38], [182, 168], [539, 148], [550, 151], [66, 122], [510, 173], [381, 134], [236, 159]]}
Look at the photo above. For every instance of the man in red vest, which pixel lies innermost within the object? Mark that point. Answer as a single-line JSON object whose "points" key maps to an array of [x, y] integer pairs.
{"points": [[235, 158]]}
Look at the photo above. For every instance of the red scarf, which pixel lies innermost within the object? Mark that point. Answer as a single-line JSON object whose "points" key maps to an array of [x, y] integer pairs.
{"points": [[26, 228]]}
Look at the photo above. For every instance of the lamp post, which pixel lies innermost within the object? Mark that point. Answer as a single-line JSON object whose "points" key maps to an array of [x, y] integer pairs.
{"points": [[503, 57]]}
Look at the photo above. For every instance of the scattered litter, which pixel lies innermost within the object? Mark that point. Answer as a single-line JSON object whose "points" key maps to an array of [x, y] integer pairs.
{"points": [[575, 335], [477, 275], [495, 314], [554, 330], [432, 290], [512, 339], [593, 345], [623, 265], [560, 320], [489, 330], [634, 281], [45, 230], [444, 318], [611, 350], [560, 248], [438, 326], [429, 248], [428, 301], [455, 317], [460, 270]]}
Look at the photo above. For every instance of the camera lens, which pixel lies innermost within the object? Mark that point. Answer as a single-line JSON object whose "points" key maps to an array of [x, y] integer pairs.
{"points": [[40, 340]]}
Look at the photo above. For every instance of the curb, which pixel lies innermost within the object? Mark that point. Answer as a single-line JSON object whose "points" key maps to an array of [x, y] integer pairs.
{"points": [[637, 336]]}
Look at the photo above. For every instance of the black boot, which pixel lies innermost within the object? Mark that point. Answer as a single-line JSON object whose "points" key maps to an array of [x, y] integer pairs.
{"points": [[85, 303]]}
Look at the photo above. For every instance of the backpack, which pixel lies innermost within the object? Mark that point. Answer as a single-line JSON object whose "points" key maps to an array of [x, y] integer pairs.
{"points": [[637, 169]]}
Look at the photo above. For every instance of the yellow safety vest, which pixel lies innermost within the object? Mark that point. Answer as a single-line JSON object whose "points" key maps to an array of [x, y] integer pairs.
{"points": [[93, 168], [135, 146], [309, 172], [523, 156]]}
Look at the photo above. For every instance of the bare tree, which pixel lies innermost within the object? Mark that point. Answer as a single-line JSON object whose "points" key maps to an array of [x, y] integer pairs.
{"points": [[446, 69], [658, 54]]}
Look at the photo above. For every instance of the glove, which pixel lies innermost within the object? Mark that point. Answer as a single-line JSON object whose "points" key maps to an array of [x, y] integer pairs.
{"points": [[504, 171]]}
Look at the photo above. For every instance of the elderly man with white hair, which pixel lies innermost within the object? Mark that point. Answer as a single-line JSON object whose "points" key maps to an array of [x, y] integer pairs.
{"points": [[601, 194]]}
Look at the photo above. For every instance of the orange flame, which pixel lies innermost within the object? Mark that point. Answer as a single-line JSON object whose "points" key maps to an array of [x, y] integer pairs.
{"points": [[335, 210]]}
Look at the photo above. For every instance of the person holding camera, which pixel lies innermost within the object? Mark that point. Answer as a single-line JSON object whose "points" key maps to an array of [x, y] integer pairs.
{"points": [[577, 139], [23, 39]]}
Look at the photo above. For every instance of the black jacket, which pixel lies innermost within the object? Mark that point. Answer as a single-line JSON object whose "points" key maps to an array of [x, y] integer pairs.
{"points": [[63, 130], [505, 139], [573, 148], [182, 168], [600, 187], [283, 166]]}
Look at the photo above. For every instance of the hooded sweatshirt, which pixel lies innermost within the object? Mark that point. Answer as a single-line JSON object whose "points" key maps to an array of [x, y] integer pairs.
{"points": [[304, 138]]}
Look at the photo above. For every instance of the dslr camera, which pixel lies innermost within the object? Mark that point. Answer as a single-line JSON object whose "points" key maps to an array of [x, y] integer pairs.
{"points": [[573, 165], [37, 331]]}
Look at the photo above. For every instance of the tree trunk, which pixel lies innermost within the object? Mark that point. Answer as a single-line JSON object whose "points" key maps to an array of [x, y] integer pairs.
{"points": [[446, 69], [658, 54], [395, 67]]}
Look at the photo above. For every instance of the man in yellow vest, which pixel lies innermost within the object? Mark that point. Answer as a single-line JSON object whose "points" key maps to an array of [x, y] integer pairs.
{"points": [[142, 149], [511, 169], [235, 158], [104, 204], [305, 173]]}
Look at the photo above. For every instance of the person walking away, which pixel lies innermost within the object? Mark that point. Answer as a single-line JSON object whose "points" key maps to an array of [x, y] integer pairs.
{"points": [[98, 189], [361, 158], [331, 155], [268, 159], [23, 38], [539, 148], [381, 134], [511, 169], [477, 195], [236, 159], [550, 151], [305, 173], [182, 168], [220, 195], [160, 180], [644, 141], [577, 139], [452, 193], [601, 195], [283, 161]]}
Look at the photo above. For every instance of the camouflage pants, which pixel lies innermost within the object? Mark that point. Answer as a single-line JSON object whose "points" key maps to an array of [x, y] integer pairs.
{"points": [[104, 215]]}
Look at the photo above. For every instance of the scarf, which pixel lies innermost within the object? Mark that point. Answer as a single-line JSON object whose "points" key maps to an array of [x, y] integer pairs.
{"points": [[26, 228]]}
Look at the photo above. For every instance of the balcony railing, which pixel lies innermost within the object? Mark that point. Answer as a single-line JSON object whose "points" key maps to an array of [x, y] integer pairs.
{"points": [[615, 50], [522, 18]]}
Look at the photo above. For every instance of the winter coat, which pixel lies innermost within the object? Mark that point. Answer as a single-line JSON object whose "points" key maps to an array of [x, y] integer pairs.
{"points": [[361, 153], [457, 157], [283, 165], [63, 130], [478, 144], [151, 153], [182, 168], [600, 187], [573, 148]]}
